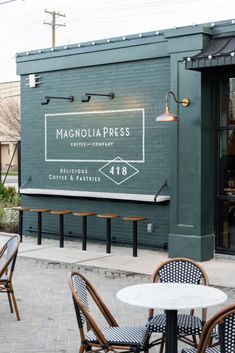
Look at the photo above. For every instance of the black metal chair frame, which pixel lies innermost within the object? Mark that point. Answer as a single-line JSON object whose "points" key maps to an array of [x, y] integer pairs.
{"points": [[8, 255]]}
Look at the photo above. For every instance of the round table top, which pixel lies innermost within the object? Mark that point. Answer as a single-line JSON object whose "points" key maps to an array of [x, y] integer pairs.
{"points": [[171, 296]]}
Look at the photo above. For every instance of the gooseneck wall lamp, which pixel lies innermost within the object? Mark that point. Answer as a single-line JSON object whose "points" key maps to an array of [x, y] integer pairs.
{"points": [[86, 98], [168, 116], [48, 98]]}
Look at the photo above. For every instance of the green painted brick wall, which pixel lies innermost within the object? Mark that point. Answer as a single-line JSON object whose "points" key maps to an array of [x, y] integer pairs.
{"points": [[137, 85]]}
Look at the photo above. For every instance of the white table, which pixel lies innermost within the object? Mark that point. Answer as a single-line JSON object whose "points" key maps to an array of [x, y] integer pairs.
{"points": [[171, 297]]}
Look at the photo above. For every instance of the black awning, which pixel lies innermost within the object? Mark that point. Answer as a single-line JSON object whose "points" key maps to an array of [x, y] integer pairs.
{"points": [[220, 51]]}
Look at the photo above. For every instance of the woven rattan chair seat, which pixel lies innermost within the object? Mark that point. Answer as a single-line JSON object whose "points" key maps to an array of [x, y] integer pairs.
{"points": [[215, 349], [121, 335], [186, 324]]}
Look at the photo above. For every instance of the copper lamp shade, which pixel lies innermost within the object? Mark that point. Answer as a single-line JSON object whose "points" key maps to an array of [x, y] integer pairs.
{"points": [[168, 116]]}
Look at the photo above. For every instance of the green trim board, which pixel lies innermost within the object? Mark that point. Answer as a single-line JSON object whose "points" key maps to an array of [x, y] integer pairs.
{"points": [[197, 247]]}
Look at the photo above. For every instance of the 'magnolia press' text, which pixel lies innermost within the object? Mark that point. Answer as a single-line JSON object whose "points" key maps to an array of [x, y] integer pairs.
{"points": [[105, 132]]}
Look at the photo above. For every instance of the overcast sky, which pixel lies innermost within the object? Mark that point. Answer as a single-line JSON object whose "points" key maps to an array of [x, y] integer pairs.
{"points": [[22, 28]]}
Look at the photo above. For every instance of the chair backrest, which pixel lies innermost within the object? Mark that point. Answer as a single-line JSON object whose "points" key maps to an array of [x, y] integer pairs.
{"points": [[83, 292], [224, 322], [8, 254], [180, 270]]}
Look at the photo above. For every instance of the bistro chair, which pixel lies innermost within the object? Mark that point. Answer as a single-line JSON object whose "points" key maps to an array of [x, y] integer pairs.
{"points": [[8, 255], [223, 322], [179, 270], [102, 338]]}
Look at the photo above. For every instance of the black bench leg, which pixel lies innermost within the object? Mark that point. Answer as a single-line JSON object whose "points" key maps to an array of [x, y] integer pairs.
{"points": [[84, 232], [61, 230], [135, 238], [39, 228], [108, 239], [21, 225]]}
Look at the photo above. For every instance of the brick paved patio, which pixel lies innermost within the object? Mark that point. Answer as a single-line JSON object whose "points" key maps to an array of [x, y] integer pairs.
{"points": [[48, 323]]}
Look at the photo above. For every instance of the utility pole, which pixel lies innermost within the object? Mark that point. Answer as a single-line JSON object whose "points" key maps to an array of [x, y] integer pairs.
{"points": [[53, 24]]}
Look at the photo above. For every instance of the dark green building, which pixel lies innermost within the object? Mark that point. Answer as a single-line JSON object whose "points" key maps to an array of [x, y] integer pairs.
{"points": [[90, 140]]}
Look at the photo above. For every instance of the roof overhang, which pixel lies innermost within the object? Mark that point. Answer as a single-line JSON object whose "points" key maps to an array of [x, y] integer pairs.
{"points": [[220, 51]]}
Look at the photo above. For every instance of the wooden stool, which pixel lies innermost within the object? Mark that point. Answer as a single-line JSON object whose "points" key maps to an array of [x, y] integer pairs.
{"points": [[61, 214], [21, 210], [84, 216], [108, 217], [39, 212], [134, 219]]}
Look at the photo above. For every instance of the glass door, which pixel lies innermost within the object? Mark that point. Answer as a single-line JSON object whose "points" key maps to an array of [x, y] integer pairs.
{"points": [[225, 168]]}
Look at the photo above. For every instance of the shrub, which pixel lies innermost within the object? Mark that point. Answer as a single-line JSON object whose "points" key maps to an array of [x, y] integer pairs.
{"points": [[8, 198]]}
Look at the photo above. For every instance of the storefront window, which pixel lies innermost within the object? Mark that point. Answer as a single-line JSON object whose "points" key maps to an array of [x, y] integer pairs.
{"points": [[225, 217], [226, 138], [226, 233], [227, 162], [227, 104]]}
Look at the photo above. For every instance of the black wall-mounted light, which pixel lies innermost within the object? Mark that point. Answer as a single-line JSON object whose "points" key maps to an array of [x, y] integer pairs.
{"points": [[86, 98], [168, 116], [48, 98]]}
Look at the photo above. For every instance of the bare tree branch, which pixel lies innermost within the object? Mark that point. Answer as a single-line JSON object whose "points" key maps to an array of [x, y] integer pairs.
{"points": [[10, 119]]}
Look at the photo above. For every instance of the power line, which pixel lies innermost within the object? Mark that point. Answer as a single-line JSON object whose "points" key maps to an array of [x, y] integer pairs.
{"points": [[5, 2], [53, 24], [10, 96]]}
